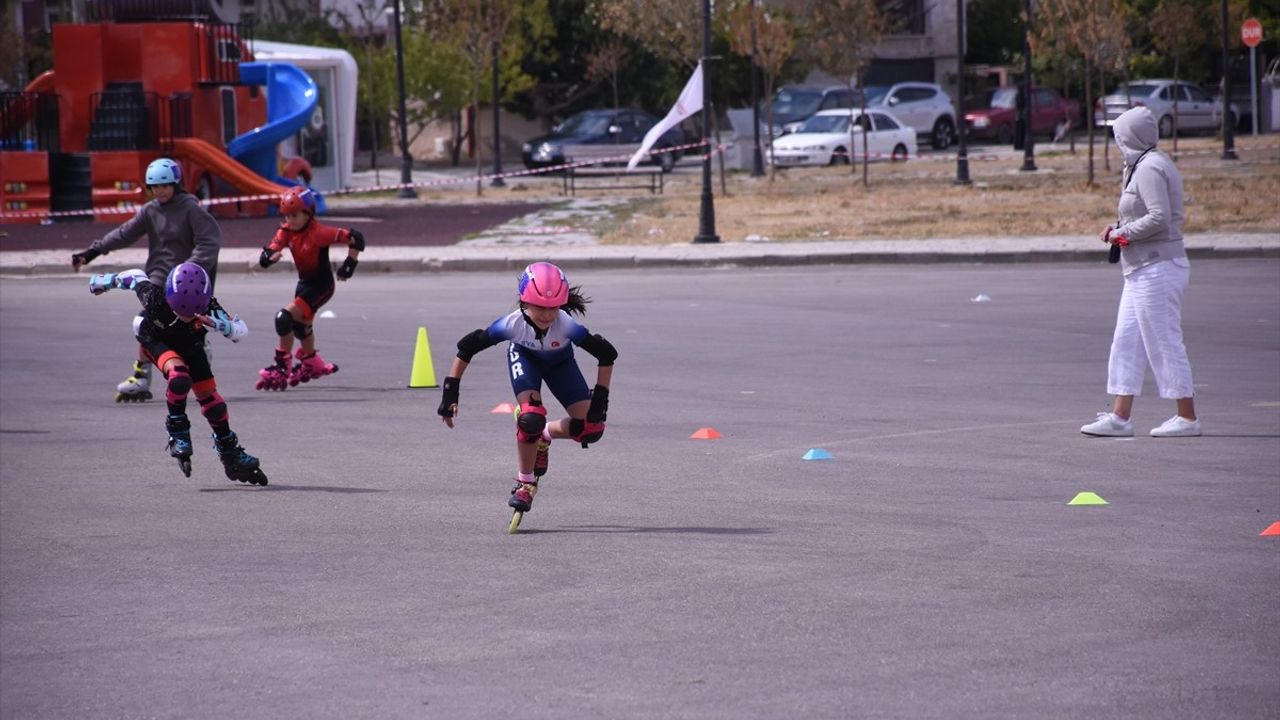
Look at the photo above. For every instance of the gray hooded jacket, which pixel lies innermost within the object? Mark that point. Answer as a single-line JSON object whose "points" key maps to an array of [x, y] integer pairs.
{"points": [[177, 231], [1150, 210]]}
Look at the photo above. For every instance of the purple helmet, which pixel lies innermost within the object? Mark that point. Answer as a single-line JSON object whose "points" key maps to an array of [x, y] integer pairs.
{"points": [[188, 289]]}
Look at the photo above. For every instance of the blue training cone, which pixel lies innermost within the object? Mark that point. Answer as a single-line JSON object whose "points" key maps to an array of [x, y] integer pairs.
{"points": [[817, 454]]}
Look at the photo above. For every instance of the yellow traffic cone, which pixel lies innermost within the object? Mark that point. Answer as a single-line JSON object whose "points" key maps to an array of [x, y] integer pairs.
{"points": [[424, 373]]}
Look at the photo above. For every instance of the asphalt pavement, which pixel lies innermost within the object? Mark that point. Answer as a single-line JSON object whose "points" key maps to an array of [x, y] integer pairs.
{"points": [[933, 568]]}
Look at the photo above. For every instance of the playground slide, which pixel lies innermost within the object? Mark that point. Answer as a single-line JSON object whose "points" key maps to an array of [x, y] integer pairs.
{"points": [[18, 113], [291, 98], [241, 178]]}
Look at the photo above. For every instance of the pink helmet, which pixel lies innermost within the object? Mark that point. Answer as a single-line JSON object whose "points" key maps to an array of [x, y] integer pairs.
{"points": [[543, 284]]}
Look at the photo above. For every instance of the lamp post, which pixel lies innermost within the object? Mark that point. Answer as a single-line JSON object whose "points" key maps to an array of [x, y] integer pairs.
{"points": [[497, 136], [962, 157], [757, 159], [707, 211], [406, 163], [1228, 131], [1028, 143]]}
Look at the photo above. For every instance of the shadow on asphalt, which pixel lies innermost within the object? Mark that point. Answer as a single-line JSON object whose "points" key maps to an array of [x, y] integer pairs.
{"points": [[298, 488], [629, 529]]}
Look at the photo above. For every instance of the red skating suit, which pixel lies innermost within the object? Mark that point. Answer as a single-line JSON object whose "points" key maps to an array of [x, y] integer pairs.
{"points": [[310, 248]]}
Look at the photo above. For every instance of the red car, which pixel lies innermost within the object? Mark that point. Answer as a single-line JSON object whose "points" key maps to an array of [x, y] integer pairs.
{"points": [[998, 117]]}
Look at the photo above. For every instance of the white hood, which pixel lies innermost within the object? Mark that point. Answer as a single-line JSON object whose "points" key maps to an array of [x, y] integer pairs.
{"points": [[1136, 133]]}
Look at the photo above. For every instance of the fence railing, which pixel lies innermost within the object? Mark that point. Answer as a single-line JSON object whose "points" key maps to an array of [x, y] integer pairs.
{"points": [[29, 121]]}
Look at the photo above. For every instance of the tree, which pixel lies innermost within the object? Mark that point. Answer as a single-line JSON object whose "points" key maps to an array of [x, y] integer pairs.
{"points": [[844, 35], [768, 37], [1084, 28], [1176, 26]]}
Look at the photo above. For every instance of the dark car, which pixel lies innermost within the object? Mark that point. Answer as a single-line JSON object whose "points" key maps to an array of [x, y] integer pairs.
{"points": [[793, 104], [996, 116], [597, 133]]}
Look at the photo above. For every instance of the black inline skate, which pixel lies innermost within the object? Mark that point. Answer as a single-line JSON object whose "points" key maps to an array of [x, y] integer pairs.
{"points": [[179, 428], [238, 464]]}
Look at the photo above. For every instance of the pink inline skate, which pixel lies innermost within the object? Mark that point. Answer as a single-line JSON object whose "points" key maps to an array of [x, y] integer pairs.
{"points": [[276, 375], [310, 367]]}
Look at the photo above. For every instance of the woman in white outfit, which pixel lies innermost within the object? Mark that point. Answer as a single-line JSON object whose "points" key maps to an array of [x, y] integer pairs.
{"points": [[1148, 232]]}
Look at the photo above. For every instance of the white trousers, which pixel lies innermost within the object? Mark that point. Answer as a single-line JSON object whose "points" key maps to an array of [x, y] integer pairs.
{"points": [[1149, 330]]}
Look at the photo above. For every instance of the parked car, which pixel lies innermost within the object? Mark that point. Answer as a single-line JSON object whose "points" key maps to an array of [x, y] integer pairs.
{"points": [[624, 128], [925, 107], [997, 115], [793, 104], [834, 137], [1197, 110]]}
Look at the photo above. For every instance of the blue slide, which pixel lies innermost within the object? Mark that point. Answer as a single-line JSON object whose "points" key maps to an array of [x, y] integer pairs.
{"points": [[291, 98]]}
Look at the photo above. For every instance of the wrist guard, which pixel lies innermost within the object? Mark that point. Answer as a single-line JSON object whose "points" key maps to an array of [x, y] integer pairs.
{"points": [[348, 268], [448, 397], [264, 260], [599, 404], [83, 257]]}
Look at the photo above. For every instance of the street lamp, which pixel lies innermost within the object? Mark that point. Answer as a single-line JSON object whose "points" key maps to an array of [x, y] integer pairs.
{"points": [[962, 157], [1028, 143], [707, 212], [757, 160], [497, 136], [406, 163], [1228, 130]]}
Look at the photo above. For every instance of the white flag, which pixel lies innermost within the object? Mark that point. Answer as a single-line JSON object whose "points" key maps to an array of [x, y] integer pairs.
{"points": [[689, 102]]}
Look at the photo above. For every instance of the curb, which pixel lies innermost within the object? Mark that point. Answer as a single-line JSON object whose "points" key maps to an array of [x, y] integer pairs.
{"points": [[512, 258]]}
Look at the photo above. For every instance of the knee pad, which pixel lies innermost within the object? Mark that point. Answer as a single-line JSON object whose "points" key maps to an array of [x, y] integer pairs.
{"points": [[284, 323], [301, 330], [213, 407], [179, 384], [530, 422], [585, 431]]}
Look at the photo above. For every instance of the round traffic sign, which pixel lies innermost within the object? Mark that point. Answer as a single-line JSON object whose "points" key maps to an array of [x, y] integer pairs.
{"points": [[1251, 32]]}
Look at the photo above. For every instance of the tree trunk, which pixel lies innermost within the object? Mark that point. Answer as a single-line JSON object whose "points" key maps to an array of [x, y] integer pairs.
{"points": [[1088, 101]]}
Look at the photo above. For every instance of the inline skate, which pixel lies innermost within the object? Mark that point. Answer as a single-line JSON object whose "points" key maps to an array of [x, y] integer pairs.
{"points": [[179, 428], [310, 367], [276, 375], [136, 387], [238, 464]]}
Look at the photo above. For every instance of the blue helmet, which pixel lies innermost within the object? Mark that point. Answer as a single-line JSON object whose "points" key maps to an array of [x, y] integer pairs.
{"points": [[164, 172]]}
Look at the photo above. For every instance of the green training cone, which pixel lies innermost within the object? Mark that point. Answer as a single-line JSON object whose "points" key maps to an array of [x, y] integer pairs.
{"points": [[423, 374], [1087, 498]]}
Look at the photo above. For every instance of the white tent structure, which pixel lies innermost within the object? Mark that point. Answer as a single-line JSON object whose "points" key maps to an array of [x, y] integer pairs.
{"points": [[328, 142]]}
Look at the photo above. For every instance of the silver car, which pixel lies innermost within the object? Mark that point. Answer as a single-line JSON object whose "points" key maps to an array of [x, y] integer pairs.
{"points": [[1197, 110], [925, 107]]}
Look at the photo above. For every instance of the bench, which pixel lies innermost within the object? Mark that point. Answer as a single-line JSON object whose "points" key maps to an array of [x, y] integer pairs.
{"points": [[618, 177]]}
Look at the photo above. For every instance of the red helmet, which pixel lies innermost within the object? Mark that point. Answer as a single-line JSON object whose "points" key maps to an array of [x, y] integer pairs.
{"points": [[543, 284], [298, 199]]}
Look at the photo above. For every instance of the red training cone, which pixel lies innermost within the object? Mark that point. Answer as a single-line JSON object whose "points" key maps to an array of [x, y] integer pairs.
{"points": [[706, 433], [507, 408], [1273, 530]]}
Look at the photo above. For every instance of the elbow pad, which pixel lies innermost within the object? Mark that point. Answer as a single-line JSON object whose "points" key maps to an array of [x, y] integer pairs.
{"points": [[472, 343], [357, 239], [602, 349]]}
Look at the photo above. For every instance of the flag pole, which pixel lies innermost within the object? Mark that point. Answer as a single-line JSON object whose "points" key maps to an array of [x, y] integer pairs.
{"points": [[707, 212]]}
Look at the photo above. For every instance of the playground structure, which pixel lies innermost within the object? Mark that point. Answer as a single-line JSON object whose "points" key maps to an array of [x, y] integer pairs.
{"points": [[149, 79]]}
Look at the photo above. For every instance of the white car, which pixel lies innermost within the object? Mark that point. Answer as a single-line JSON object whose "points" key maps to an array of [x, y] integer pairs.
{"points": [[1197, 110], [926, 107], [834, 137]]}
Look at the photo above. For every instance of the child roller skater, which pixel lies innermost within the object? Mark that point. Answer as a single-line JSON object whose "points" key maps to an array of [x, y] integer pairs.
{"points": [[172, 330], [178, 229], [542, 333], [308, 241]]}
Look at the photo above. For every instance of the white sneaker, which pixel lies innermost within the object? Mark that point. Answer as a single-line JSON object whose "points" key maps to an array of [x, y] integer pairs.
{"points": [[1177, 426], [1109, 425]]}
